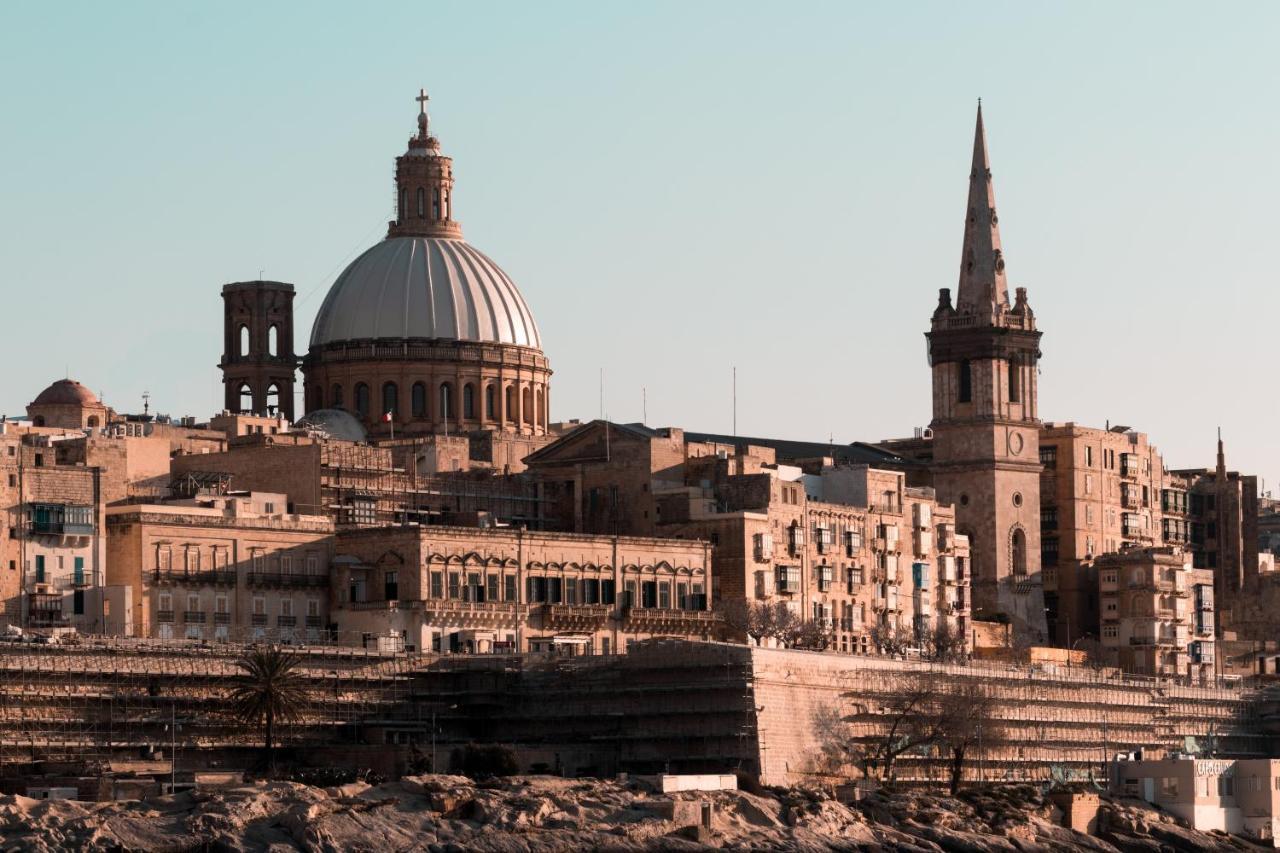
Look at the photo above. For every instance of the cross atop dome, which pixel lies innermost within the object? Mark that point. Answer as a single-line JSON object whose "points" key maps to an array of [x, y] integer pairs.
{"points": [[423, 120]]}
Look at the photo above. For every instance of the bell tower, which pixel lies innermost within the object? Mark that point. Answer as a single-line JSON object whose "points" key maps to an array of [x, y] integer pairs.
{"points": [[258, 364], [984, 351]]}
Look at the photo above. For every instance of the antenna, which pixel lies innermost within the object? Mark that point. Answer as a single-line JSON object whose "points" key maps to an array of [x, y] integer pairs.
{"points": [[735, 400], [602, 393], [644, 405], [146, 402]]}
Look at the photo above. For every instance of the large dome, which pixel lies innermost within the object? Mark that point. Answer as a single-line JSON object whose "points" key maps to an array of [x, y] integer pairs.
{"points": [[66, 392], [415, 287]]}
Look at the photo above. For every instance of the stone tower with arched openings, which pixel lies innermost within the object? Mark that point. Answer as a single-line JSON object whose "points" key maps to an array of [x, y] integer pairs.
{"points": [[258, 363], [984, 350]]}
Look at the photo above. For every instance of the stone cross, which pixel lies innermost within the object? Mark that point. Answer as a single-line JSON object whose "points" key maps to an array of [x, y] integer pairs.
{"points": [[422, 100]]}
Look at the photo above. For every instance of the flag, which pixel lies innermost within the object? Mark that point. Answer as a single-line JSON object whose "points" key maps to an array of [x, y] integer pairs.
{"points": [[386, 418]]}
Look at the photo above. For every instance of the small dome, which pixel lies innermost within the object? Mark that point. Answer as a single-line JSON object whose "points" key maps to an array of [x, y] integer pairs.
{"points": [[66, 392], [332, 423], [426, 288]]}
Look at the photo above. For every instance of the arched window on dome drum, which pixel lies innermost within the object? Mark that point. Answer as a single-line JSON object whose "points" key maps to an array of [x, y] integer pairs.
{"points": [[422, 205], [526, 405], [390, 398], [336, 396], [362, 400], [446, 401], [489, 402], [469, 401], [418, 399], [537, 409], [273, 340], [510, 413], [1019, 552], [435, 203], [444, 205], [244, 340], [273, 399], [246, 398]]}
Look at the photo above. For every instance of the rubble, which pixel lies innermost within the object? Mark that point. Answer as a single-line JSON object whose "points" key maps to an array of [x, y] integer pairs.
{"points": [[540, 814]]}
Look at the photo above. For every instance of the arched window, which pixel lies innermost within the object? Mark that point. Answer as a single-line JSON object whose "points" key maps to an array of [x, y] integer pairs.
{"points": [[246, 398], [336, 396], [435, 204], [273, 340], [510, 413], [1015, 391], [444, 205], [1019, 552], [273, 399], [38, 420], [92, 422], [244, 340], [418, 396], [446, 401], [404, 204], [390, 399], [526, 405], [966, 381], [469, 401], [317, 398], [537, 409], [422, 207], [489, 402], [362, 400]]}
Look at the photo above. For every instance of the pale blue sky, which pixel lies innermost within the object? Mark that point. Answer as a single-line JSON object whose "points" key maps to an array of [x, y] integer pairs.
{"points": [[676, 187]]}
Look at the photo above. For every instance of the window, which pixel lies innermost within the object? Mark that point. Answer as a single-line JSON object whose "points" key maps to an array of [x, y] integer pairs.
{"points": [[509, 587], [244, 340], [404, 204], [446, 401], [966, 381], [664, 594], [437, 585], [435, 203], [337, 396], [1049, 456], [607, 591], [491, 591], [390, 398], [362, 400], [422, 208], [1014, 374], [1019, 552], [788, 578], [391, 586], [273, 340], [39, 568], [418, 400], [490, 402], [77, 602], [824, 575], [649, 594], [468, 401], [455, 585]]}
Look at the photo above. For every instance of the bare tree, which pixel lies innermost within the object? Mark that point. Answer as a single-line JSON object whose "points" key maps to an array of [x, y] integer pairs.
{"points": [[809, 634], [889, 639], [965, 720], [944, 643], [915, 719]]}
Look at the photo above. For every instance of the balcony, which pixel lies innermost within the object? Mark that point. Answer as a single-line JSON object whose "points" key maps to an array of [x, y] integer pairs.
{"points": [[164, 617], [670, 619], [478, 614], [574, 616], [287, 579], [44, 610], [315, 621], [286, 621], [193, 617], [258, 620], [211, 577], [220, 618], [1129, 466], [60, 520]]}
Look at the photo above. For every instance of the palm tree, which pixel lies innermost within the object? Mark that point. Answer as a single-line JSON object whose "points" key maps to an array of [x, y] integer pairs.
{"points": [[268, 689]]}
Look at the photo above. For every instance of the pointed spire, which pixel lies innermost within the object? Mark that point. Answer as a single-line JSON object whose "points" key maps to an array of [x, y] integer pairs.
{"points": [[1222, 457], [982, 282]]}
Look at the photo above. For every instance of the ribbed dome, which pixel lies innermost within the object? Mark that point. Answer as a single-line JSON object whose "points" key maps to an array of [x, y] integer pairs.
{"points": [[66, 392], [424, 287]]}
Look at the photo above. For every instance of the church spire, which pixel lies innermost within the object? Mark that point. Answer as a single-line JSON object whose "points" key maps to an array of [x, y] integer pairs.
{"points": [[982, 282]]}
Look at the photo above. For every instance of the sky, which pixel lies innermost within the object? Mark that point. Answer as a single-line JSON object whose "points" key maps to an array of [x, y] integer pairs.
{"points": [[679, 189]]}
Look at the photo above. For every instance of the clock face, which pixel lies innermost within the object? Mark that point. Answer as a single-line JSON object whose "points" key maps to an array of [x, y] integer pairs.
{"points": [[1015, 443]]}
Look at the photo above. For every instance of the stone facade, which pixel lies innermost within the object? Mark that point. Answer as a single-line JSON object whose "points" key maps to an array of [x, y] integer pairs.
{"points": [[1100, 494], [847, 546], [223, 568], [1157, 613], [455, 589]]}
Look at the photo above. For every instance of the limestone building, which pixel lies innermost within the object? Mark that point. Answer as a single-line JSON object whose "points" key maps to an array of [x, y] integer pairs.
{"points": [[982, 447], [453, 589], [840, 542], [1157, 613], [1100, 493], [222, 567]]}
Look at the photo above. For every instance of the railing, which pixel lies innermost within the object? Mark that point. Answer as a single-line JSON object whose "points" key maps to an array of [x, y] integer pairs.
{"points": [[315, 621], [60, 528], [258, 620], [286, 621], [667, 614], [193, 616], [164, 616], [287, 579], [216, 577], [220, 618]]}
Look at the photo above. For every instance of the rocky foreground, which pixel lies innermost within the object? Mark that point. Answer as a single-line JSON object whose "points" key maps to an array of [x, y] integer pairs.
{"points": [[453, 813]]}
